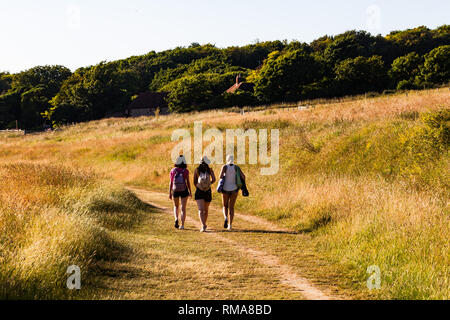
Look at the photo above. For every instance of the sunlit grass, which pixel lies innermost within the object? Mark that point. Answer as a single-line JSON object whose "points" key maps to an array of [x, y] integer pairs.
{"points": [[348, 177], [52, 217]]}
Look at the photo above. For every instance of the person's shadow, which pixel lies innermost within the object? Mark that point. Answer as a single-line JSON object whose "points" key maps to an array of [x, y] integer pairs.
{"points": [[260, 231], [248, 231]]}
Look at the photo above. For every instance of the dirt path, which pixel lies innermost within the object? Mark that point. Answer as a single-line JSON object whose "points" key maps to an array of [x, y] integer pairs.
{"points": [[284, 272]]}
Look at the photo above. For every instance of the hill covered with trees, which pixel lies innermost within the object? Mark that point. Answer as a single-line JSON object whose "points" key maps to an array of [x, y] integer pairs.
{"points": [[197, 76]]}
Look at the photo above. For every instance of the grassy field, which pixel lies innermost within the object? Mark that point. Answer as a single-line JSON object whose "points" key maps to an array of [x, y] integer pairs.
{"points": [[366, 182], [52, 217]]}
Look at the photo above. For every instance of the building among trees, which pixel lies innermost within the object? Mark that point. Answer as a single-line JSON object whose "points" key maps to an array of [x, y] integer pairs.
{"points": [[198, 78], [241, 85], [147, 103]]}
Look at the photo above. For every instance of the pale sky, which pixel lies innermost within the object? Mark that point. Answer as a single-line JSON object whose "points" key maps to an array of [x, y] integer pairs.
{"points": [[78, 33]]}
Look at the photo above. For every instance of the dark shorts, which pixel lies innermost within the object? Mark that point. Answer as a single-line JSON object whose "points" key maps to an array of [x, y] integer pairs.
{"points": [[230, 192], [203, 195], [181, 194]]}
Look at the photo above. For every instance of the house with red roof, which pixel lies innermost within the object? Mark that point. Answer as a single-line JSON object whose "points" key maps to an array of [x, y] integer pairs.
{"points": [[241, 85]]}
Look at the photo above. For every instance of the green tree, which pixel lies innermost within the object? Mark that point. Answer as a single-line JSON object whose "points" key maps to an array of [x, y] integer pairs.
{"points": [[436, 68], [348, 45], [32, 90], [352, 44], [320, 45], [361, 75], [441, 36], [90, 93], [252, 56], [165, 76], [211, 64], [9, 110], [420, 39], [49, 78], [405, 69], [198, 92], [197, 76], [5, 82], [33, 103], [283, 75]]}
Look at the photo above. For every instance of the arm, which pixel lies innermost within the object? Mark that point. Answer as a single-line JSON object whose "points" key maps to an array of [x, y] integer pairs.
{"points": [[170, 189], [195, 177], [213, 177], [188, 185], [222, 172], [242, 174]]}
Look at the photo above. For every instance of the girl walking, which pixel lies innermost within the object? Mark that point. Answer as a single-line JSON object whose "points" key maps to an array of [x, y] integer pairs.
{"points": [[203, 179], [179, 188], [233, 178]]}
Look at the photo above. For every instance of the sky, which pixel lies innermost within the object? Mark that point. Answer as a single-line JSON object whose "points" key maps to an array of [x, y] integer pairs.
{"points": [[77, 33]]}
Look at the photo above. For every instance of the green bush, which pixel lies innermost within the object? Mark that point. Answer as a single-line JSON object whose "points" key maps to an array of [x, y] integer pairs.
{"points": [[424, 144], [436, 68]]}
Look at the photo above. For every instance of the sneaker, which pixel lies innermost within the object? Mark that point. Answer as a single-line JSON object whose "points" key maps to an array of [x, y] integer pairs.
{"points": [[225, 224], [181, 228], [229, 227], [202, 230], [176, 224]]}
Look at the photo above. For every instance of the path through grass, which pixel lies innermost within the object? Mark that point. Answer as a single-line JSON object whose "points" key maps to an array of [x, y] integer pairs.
{"points": [[252, 262]]}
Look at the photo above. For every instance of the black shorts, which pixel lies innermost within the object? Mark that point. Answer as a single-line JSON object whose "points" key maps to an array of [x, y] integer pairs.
{"points": [[181, 194], [203, 195]]}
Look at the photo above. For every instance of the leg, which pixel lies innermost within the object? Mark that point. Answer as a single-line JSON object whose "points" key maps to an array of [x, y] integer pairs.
{"points": [[225, 200], [233, 199], [176, 207], [183, 210], [206, 211], [201, 212]]}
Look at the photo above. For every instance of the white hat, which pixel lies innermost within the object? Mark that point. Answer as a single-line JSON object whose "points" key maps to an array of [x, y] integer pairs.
{"points": [[230, 159], [206, 160], [180, 160]]}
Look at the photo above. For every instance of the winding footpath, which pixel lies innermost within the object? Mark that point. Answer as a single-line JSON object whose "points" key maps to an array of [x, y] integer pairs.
{"points": [[285, 273]]}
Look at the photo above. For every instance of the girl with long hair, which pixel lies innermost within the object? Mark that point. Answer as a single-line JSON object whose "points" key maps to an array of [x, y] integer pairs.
{"points": [[203, 179], [179, 188]]}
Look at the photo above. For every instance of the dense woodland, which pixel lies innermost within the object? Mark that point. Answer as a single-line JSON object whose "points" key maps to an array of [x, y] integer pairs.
{"points": [[197, 76]]}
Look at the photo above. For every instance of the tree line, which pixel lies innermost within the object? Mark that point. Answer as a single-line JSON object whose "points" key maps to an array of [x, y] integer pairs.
{"points": [[197, 76]]}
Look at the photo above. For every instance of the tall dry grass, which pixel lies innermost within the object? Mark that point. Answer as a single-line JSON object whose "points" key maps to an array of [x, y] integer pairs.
{"points": [[361, 177], [51, 217]]}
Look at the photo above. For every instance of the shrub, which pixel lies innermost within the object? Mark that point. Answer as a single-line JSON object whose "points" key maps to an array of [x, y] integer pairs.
{"points": [[426, 143]]}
